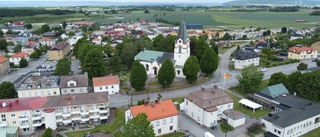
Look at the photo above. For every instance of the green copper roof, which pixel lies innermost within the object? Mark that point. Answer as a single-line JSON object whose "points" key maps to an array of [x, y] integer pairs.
{"points": [[8, 130], [148, 55], [275, 90], [183, 34]]}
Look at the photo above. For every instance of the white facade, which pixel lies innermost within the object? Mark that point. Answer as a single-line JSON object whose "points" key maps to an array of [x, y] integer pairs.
{"points": [[111, 89], [16, 61], [204, 117], [160, 126], [35, 92], [181, 52], [50, 42], [237, 122], [241, 64]]}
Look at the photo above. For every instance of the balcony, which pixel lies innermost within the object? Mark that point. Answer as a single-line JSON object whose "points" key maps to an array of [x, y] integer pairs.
{"points": [[84, 113], [103, 110], [59, 119], [36, 117], [3, 124], [76, 117], [85, 119], [94, 110], [75, 112], [94, 116], [104, 116], [22, 118], [66, 114], [24, 125], [66, 121], [58, 113], [37, 123]]}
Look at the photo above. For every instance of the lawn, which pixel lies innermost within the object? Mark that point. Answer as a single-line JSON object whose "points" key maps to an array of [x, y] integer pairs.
{"points": [[119, 121], [178, 99], [177, 134], [314, 133]]}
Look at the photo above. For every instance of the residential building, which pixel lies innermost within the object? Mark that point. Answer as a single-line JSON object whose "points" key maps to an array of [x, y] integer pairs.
{"points": [[152, 60], [51, 111], [9, 131], [47, 41], [4, 66], [163, 116], [74, 84], [84, 23], [17, 23], [302, 52], [38, 84], [244, 59], [96, 41], [51, 34], [206, 106], [110, 84], [64, 36], [16, 58], [29, 49], [20, 40], [59, 51]]}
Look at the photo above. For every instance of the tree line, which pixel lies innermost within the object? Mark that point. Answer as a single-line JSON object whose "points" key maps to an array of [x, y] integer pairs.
{"points": [[284, 9], [315, 13], [175, 23], [13, 12]]}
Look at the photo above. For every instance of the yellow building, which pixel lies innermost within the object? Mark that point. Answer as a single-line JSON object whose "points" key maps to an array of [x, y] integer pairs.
{"points": [[302, 52], [4, 66], [59, 51]]}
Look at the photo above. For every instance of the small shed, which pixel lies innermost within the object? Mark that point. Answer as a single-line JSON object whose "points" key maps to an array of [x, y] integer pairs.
{"points": [[250, 104], [235, 118]]}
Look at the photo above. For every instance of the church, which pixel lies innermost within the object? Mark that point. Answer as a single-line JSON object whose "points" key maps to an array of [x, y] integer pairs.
{"points": [[152, 60]]}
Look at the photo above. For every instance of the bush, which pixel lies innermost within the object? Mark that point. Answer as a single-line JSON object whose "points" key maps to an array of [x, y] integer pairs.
{"points": [[286, 62], [267, 63], [273, 58], [254, 128], [226, 127], [268, 66], [140, 102]]}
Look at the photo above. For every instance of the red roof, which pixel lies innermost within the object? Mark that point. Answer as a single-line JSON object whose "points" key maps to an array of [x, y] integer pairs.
{"points": [[3, 59], [19, 104], [159, 110], [32, 43], [84, 23], [96, 39], [19, 55], [299, 49], [46, 39], [18, 23], [106, 80]]}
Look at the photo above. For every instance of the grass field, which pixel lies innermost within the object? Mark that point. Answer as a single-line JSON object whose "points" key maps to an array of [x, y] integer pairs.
{"points": [[314, 133]]}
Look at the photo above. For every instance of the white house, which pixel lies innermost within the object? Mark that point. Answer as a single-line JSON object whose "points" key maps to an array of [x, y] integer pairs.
{"points": [[64, 36], [152, 60], [206, 106], [108, 84], [15, 58], [244, 59], [234, 118], [47, 41], [74, 84], [163, 115]]}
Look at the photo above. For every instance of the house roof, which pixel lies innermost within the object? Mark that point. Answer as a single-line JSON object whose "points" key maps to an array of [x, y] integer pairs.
{"points": [[76, 99], [299, 49], [149, 55], [60, 46], [275, 90], [208, 98], [244, 55], [81, 80], [20, 104], [46, 39], [155, 111], [233, 114], [183, 34], [3, 59], [19, 55], [9, 130], [96, 39], [106, 80]]}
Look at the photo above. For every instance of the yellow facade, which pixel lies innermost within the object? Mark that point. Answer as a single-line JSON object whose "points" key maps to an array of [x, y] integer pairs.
{"points": [[16, 118], [303, 55], [4, 67], [38, 92], [59, 54]]}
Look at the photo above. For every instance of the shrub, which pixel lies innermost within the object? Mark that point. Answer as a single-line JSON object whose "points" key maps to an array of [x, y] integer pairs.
{"points": [[140, 102], [267, 63], [273, 58], [254, 128], [226, 127]]}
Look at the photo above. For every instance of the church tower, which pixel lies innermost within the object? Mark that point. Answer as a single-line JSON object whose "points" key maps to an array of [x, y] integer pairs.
{"points": [[182, 45]]}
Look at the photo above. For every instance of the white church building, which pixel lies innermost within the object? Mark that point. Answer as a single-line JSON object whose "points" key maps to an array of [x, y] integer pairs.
{"points": [[152, 60]]}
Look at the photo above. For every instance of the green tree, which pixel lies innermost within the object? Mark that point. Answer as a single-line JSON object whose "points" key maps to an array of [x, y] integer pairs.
{"points": [[3, 45], [318, 63], [34, 55], [302, 66], [45, 28], [47, 133], [1, 33], [157, 42], [38, 51], [166, 73], [226, 36], [127, 53], [83, 51], [215, 49], [78, 44], [108, 49], [200, 46], [168, 43], [115, 65], [209, 61], [28, 26], [64, 24], [23, 63], [146, 11], [293, 81], [138, 76], [84, 28], [238, 48], [94, 63], [138, 126], [191, 69], [250, 79], [63, 67], [7, 90], [277, 78]]}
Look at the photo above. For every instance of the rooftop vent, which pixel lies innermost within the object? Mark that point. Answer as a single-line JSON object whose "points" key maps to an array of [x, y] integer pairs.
{"points": [[4, 104], [156, 101], [152, 105]]}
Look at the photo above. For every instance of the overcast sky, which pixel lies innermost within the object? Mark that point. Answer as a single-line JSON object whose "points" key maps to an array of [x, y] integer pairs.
{"points": [[157, 1]]}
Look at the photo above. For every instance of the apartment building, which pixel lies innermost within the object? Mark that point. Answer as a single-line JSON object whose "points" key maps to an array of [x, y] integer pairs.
{"points": [[59, 51], [244, 59], [38, 84], [47, 41], [108, 84], [16, 58], [302, 52], [74, 84], [51, 111], [163, 116]]}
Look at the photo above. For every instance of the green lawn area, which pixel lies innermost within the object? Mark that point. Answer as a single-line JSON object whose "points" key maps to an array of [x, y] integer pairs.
{"points": [[117, 134], [178, 99], [314, 133], [119, 121], [177, 134]]}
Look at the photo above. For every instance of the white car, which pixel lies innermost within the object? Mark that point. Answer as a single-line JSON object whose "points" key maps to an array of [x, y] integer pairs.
{"points": [[264, 69]]}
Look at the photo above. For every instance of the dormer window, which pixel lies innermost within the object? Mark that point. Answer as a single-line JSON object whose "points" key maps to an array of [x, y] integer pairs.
{"points": [[71, 83], [294, 50], [179, 41]]}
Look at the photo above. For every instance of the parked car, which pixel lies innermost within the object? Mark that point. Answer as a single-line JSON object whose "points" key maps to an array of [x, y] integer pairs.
{"points": [[315, 60], [264, 69]]}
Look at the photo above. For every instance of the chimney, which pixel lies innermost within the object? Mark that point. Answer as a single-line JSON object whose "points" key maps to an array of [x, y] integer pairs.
{"points": [[203, 88], [156, 101], [146, 102]]}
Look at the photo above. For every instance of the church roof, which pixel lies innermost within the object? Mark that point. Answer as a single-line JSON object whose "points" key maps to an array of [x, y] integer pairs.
{"points": [[183, 34], [151, 56]]}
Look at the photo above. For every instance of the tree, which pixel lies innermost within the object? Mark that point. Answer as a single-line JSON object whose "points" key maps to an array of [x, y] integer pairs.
{"points": [[34, 55], [268, 32], [94, 63], [64, 24], [226, 36], [146, 11], [277, 78], [138, 126], [318, 63], [3, 45], [63, 67], [1, 33], [127, 54], [284, 30], [28, 26], [215, 49], [200, 46], [293, 81], [138, 76], [115, 64], [83, 51], [47, 133], [7, 90], [39, 52], [209, 61], [250, 79], [302, 66], [157, 42], [84, 28], [108, 49], [166, 73], [23, 63], [45, 28], [191, 69]]}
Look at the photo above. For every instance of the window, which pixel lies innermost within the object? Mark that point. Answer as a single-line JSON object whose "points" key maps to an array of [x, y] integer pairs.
{"points": [[3, 117], [179, 49], [192, 114], [198, 118], [159, 131], [29, 94], [75, 107], [72, 90], [158, 123], [55, 93], [187, 102], [64, 91], [14, 122], [13, 115], [164, 121], [100, 88], [147, 67], [171, 128], [48, 92], [101, 105], [111, 86], [171, 120], [106, 87]]}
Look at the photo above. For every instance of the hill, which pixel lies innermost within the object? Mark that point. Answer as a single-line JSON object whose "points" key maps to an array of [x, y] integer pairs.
{"points": [[273, 2]]}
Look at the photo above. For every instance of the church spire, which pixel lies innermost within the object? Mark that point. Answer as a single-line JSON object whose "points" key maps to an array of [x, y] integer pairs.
{"points": [[183, 34]]}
